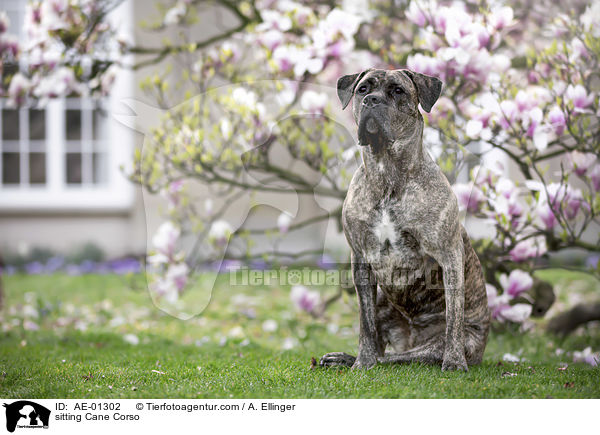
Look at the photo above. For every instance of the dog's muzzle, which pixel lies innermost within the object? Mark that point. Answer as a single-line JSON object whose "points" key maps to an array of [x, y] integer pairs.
{"points": [[373, 128]]}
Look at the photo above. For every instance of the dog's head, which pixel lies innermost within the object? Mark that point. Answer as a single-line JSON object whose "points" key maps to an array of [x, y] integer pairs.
{"points": [[386, 102]]}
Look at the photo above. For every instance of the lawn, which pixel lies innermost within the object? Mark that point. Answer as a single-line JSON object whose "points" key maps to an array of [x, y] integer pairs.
{"points": [[100, 336]]}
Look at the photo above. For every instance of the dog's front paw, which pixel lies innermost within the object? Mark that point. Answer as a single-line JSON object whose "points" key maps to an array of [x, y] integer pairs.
{"points": [[455, 361], [364, 363]]}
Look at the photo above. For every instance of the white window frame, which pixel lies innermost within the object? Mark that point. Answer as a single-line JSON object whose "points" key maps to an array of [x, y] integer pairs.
{"points": [[115, 195]]}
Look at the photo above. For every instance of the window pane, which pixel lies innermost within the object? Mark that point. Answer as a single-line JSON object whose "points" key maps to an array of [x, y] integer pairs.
{"points": [[10, 124], [73, 168], [10, 168], [99, 168], [37, 124], [98, 124], [73, 124], [37, 168]]}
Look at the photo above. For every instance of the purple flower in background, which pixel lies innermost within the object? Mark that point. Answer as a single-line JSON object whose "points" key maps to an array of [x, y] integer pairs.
{"points": [[592, 261], [54, 264], [326, 262], [34, 268], [516, 283], [259, 265], [8, 270], [124, 266], [226, 266], [87, 266], [304, 299]]}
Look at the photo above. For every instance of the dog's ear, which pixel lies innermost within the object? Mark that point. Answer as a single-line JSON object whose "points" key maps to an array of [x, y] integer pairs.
{"points": [[428, 88], [346, 85]]}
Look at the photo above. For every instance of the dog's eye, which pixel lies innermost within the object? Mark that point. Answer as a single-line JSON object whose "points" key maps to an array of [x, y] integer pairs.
{"points": [[398, 90], [362, 89]]}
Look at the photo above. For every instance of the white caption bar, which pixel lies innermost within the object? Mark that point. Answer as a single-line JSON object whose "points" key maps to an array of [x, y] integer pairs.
{"points": [[264, 416]]}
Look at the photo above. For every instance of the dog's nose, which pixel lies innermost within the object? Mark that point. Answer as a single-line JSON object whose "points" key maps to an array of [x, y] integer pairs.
{"points": [[371, 100]]}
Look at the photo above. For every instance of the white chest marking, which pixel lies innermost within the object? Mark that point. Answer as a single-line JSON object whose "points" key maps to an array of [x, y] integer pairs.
{"points": [[385, 229]]}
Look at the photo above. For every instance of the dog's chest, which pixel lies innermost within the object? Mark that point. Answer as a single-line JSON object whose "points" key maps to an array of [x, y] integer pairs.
{"points": [[388, 243]]}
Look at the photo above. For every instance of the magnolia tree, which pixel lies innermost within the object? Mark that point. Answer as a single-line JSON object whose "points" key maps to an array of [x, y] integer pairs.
{"points": [[518, 119]]}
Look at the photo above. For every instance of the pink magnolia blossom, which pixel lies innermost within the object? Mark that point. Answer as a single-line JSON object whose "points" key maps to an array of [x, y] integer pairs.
{"points": [[517, 313], [587, 356], [508, 113], [556, 118], [516, 283], [178, 275], [425, 65], [173, 193], [271, 39], [501, 308], [273, 19], [283, 222], [176, 14], [579, 98], [545, 213], [528, 248], [219, 232], [313, 102], [580, 162], [304, 299], [565, 198], [415, 14], [485, 175], [18, 89], [594, 175], [578, 49], [470, 197], [501, 17], [4, 21], [165, 241], [9, 45]]}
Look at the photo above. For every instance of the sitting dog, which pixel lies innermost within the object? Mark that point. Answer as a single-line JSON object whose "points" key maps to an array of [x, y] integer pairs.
{"points": [[400, 218]]}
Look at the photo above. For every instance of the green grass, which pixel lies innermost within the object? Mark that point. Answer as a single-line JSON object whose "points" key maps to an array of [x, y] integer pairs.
{"points": [[79, 350]]}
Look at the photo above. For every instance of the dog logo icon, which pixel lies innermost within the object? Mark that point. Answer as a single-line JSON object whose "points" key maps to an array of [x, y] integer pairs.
{"points": [[26, 414]]}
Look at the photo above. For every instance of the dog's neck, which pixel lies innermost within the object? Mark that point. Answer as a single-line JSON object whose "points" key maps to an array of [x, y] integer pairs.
{"points": [[393, 166]]}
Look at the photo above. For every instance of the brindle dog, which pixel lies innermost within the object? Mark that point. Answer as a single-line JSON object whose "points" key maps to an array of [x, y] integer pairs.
{"points": [[400, 218]]}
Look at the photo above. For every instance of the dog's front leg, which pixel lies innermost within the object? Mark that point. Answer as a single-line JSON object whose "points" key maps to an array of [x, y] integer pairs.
{"points": [[366, 290], [453, 269]]}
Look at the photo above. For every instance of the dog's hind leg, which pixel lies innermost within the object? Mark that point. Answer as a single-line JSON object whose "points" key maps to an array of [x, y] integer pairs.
{"points": [[431, 352]]}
